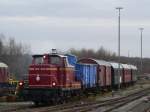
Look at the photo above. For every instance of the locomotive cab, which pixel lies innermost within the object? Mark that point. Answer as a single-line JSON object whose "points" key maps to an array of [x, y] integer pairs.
{"points": [[48, 70]]}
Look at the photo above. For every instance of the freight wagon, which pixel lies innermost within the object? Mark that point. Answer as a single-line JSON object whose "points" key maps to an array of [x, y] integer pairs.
{"points": [[127, 76], [134, 73], [116, 78], [3, 73], [102, 73], [86, 74], [5, 87]]}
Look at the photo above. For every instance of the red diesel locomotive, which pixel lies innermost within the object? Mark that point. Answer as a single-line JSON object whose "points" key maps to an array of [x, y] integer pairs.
{"points": [[51, 79]]}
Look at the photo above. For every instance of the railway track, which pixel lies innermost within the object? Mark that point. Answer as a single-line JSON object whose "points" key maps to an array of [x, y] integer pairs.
{"points": [[111, 104], [127, 100]]}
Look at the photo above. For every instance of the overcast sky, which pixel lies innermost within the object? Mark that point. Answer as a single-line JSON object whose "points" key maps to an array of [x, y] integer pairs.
{"points": [[64, 24]]}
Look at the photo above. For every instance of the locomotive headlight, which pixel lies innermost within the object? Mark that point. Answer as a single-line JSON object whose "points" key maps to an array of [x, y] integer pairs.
{"points": [[37, 78], [20, 83], [44, 57], [53, 84]]}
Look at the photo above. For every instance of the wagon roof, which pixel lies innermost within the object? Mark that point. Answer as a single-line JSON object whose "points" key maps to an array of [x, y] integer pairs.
{"points": [[3, 65], [99, 62], [115, 65], [126, 66], [133, 67], [102, 62]]}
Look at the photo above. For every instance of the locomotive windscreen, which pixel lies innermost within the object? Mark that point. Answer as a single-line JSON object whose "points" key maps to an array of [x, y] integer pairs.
{"points": [[38, 59], [55, 60], [47, 59]]}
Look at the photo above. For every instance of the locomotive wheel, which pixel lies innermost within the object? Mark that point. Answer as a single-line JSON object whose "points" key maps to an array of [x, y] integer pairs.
{"points": [[59, 100], [46, 103], [36, 103]]}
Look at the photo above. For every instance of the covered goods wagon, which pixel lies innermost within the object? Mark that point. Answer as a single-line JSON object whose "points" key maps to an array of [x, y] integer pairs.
{"points": [[4, 77], [103, 71], [116, 78], [5, 87], [86, 73], [126, 73], [134, 73]]}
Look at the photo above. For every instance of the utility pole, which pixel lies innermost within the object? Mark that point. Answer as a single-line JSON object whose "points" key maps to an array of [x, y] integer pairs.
{"points": [[119, 79], [141, 42]]}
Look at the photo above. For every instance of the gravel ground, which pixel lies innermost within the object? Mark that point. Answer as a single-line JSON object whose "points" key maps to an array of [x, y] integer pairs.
{"points": [[6, 107]]}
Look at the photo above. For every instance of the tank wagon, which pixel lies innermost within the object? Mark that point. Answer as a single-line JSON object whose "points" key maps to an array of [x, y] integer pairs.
{"points": [[55, 78]]}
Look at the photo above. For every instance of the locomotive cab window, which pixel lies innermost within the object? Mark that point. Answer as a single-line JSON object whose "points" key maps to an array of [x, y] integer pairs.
{"points": [[55, 60], [38, 59]]}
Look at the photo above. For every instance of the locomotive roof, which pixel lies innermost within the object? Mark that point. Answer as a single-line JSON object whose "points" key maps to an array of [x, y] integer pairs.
{"points": [[37, 55], [40, 55], [58, 55], [3, 65]]}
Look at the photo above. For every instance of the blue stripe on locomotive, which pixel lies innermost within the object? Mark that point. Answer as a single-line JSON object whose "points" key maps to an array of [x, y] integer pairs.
{"points": [[86, 73]]}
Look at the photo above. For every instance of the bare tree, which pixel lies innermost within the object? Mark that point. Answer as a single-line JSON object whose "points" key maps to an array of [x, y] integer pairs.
{"points": [[15, 55]]}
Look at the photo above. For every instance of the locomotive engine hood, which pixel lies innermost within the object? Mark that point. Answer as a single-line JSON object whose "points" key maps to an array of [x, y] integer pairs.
{"points": [[43, 76]]}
